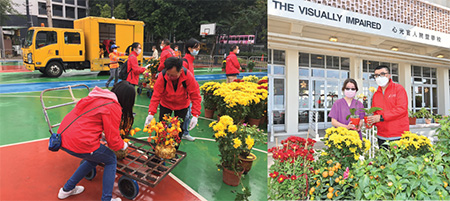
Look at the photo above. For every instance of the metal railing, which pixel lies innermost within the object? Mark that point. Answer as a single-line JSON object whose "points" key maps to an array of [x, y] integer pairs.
{"points": [[313, 126]]}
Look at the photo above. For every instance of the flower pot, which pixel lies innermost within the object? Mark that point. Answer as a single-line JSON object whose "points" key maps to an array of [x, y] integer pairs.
{"points": [[427, 121], [255, 122], [355, 121], [209, 113], [231, 178], [166, 152], [247, 163], [412, 120], [368, 126], [263, 121]]}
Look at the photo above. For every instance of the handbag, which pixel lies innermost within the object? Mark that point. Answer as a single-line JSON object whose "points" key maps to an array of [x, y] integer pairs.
{"points": [[55, 142]]}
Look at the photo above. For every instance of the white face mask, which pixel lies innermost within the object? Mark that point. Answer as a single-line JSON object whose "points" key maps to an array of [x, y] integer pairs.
{"points": [[176, 49], [115, 50], [349, 93], [161, 46], [138, 52], [237, 52], [382, 81]]}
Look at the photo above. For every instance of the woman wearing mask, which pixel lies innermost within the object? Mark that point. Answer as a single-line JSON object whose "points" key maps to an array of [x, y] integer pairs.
{"points": [[100, 112], [233, 67], [192, 49], [341, 108], [133, 66]]}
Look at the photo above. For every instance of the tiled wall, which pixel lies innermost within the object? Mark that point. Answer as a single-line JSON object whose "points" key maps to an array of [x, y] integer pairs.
{"points": [[412, 12]]}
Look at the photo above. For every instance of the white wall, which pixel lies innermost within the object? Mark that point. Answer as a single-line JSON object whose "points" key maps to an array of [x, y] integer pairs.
{"points": [[21, 6]]}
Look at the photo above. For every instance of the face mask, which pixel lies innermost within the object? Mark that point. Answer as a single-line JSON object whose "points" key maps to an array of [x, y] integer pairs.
{"points": [[349, 93], [173, 78], [115, 51], [161, 46], [138, 52], [382, 81], [176, 49], [237, 52], [194, 52]]}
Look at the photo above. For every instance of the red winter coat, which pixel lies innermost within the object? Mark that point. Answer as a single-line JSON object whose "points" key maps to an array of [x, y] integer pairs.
{"points": [[133, 76], [84, 135], [190, 64], [394, 103], [233, 66], [166, 53], [176, 100]]}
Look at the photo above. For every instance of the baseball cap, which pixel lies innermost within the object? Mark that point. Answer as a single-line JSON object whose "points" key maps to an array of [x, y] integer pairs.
{"points": [[114, 46]]}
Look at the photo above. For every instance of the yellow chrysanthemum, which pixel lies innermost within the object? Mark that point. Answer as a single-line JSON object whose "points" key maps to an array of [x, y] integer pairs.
{"points": [[249, 141], [232, 128], [237, 143]]}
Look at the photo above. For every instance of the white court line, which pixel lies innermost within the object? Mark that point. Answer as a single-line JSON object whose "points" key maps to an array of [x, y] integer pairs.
{"points": [[27, 96], [187, 187], [19, 143]]}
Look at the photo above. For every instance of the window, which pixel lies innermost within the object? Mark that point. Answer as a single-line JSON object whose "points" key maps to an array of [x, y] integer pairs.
{"points": [[368, 81], [59, 1], [44, 38], [279, 57], [81, 13], [72, 38], [81, 2], [424, 88], [320, 81], [57, 10], [42, 8], [70, 12], [72, 2], [277, 79]]}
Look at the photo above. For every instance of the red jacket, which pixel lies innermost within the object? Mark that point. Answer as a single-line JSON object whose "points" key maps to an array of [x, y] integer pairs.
{"points": [[133, 76], [394, 103], [166, 53], [233, 66], [176, 100], [83, 136], [190, 64]]}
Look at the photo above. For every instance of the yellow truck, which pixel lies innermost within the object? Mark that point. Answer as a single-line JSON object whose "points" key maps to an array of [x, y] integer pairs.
{"points": [[54, 50]]}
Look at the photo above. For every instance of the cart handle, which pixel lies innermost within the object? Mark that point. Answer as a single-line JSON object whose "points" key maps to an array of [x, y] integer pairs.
{"points": [[44, 108]]}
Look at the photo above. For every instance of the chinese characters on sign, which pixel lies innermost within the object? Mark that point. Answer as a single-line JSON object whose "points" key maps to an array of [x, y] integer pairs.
{"points": [[416, 34]]}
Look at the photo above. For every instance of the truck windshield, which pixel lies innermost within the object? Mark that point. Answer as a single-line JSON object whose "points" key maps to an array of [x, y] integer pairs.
{"points": [[29, 39]]}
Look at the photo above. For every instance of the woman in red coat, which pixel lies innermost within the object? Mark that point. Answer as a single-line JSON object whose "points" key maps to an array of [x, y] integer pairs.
{"points": [[133, 65], [233, 67], [100, 112]]}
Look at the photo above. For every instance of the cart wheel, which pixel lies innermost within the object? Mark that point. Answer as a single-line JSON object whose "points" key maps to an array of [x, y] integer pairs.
{"points": [[91, 175], [128, 187], [139, 90], [149, 94]]}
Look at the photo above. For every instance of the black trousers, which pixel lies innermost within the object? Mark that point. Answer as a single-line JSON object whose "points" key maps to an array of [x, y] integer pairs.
{"points": [[381, 145], [181, 114]]}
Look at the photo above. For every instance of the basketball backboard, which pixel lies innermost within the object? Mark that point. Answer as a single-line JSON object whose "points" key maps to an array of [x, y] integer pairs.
{"points": [[208, 29]]}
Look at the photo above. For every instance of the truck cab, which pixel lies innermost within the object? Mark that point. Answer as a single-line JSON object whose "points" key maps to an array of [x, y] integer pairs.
{"points": [[49, 49], [86, 46]]}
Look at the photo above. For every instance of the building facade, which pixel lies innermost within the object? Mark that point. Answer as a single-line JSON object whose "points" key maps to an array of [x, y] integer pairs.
{"points": [[316, 44]]}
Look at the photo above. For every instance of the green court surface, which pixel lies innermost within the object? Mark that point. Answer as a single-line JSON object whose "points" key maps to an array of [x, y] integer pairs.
{"points": [[22, 120]]}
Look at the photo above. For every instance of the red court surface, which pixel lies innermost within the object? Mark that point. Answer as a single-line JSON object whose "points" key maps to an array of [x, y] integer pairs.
{"points": [[29, 171]]}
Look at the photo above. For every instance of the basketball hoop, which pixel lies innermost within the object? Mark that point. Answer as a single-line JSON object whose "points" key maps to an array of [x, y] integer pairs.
{"points": [[204, 34]]}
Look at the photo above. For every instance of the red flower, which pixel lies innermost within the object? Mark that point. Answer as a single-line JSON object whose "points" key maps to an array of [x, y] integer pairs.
{"points": [[262, 81], [282, 178], [293, 177], [274, 174], [310, 157]]}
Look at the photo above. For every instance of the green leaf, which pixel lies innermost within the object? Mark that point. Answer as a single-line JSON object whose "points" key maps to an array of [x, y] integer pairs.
{"points": [[431, 189], [364, 182], [401, 196]]}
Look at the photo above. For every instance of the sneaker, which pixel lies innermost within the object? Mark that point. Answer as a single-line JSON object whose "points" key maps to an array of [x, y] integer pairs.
{"points": [[77, 190], [188, 137], [116, 199]]}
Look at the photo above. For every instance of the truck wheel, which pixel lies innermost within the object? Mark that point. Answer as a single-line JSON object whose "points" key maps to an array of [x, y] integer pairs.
{"points": [[54, 69]]}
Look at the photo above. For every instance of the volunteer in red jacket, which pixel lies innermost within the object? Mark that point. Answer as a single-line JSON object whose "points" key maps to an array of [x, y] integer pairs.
{"points": [[393, 120], [100, 112], [233, 67], [192, 48], [133, 75], [166, 52], [174, 90]]}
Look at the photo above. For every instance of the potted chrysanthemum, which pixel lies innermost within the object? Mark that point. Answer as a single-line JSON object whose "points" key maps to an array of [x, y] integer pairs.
{"points": [[249, 135]]}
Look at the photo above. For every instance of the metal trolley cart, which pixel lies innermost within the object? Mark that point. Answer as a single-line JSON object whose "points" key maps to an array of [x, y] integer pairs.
{"points": [[140, 165]]}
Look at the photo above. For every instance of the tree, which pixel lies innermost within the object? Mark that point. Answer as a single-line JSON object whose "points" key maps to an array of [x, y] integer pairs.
{"points": [[105, 10], [120, 11], [7, 8]]}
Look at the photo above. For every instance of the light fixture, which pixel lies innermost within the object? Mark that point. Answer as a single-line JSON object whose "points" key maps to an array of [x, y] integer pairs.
{"points": [[440, 56], [394, 48], [333, 39]]}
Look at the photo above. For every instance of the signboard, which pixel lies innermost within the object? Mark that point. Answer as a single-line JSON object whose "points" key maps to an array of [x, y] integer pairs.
{"points": [[335, 17]]}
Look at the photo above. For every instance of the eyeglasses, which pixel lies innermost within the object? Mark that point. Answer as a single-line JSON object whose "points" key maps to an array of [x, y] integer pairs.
{"points": [[348, 89], [378, 75]]}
